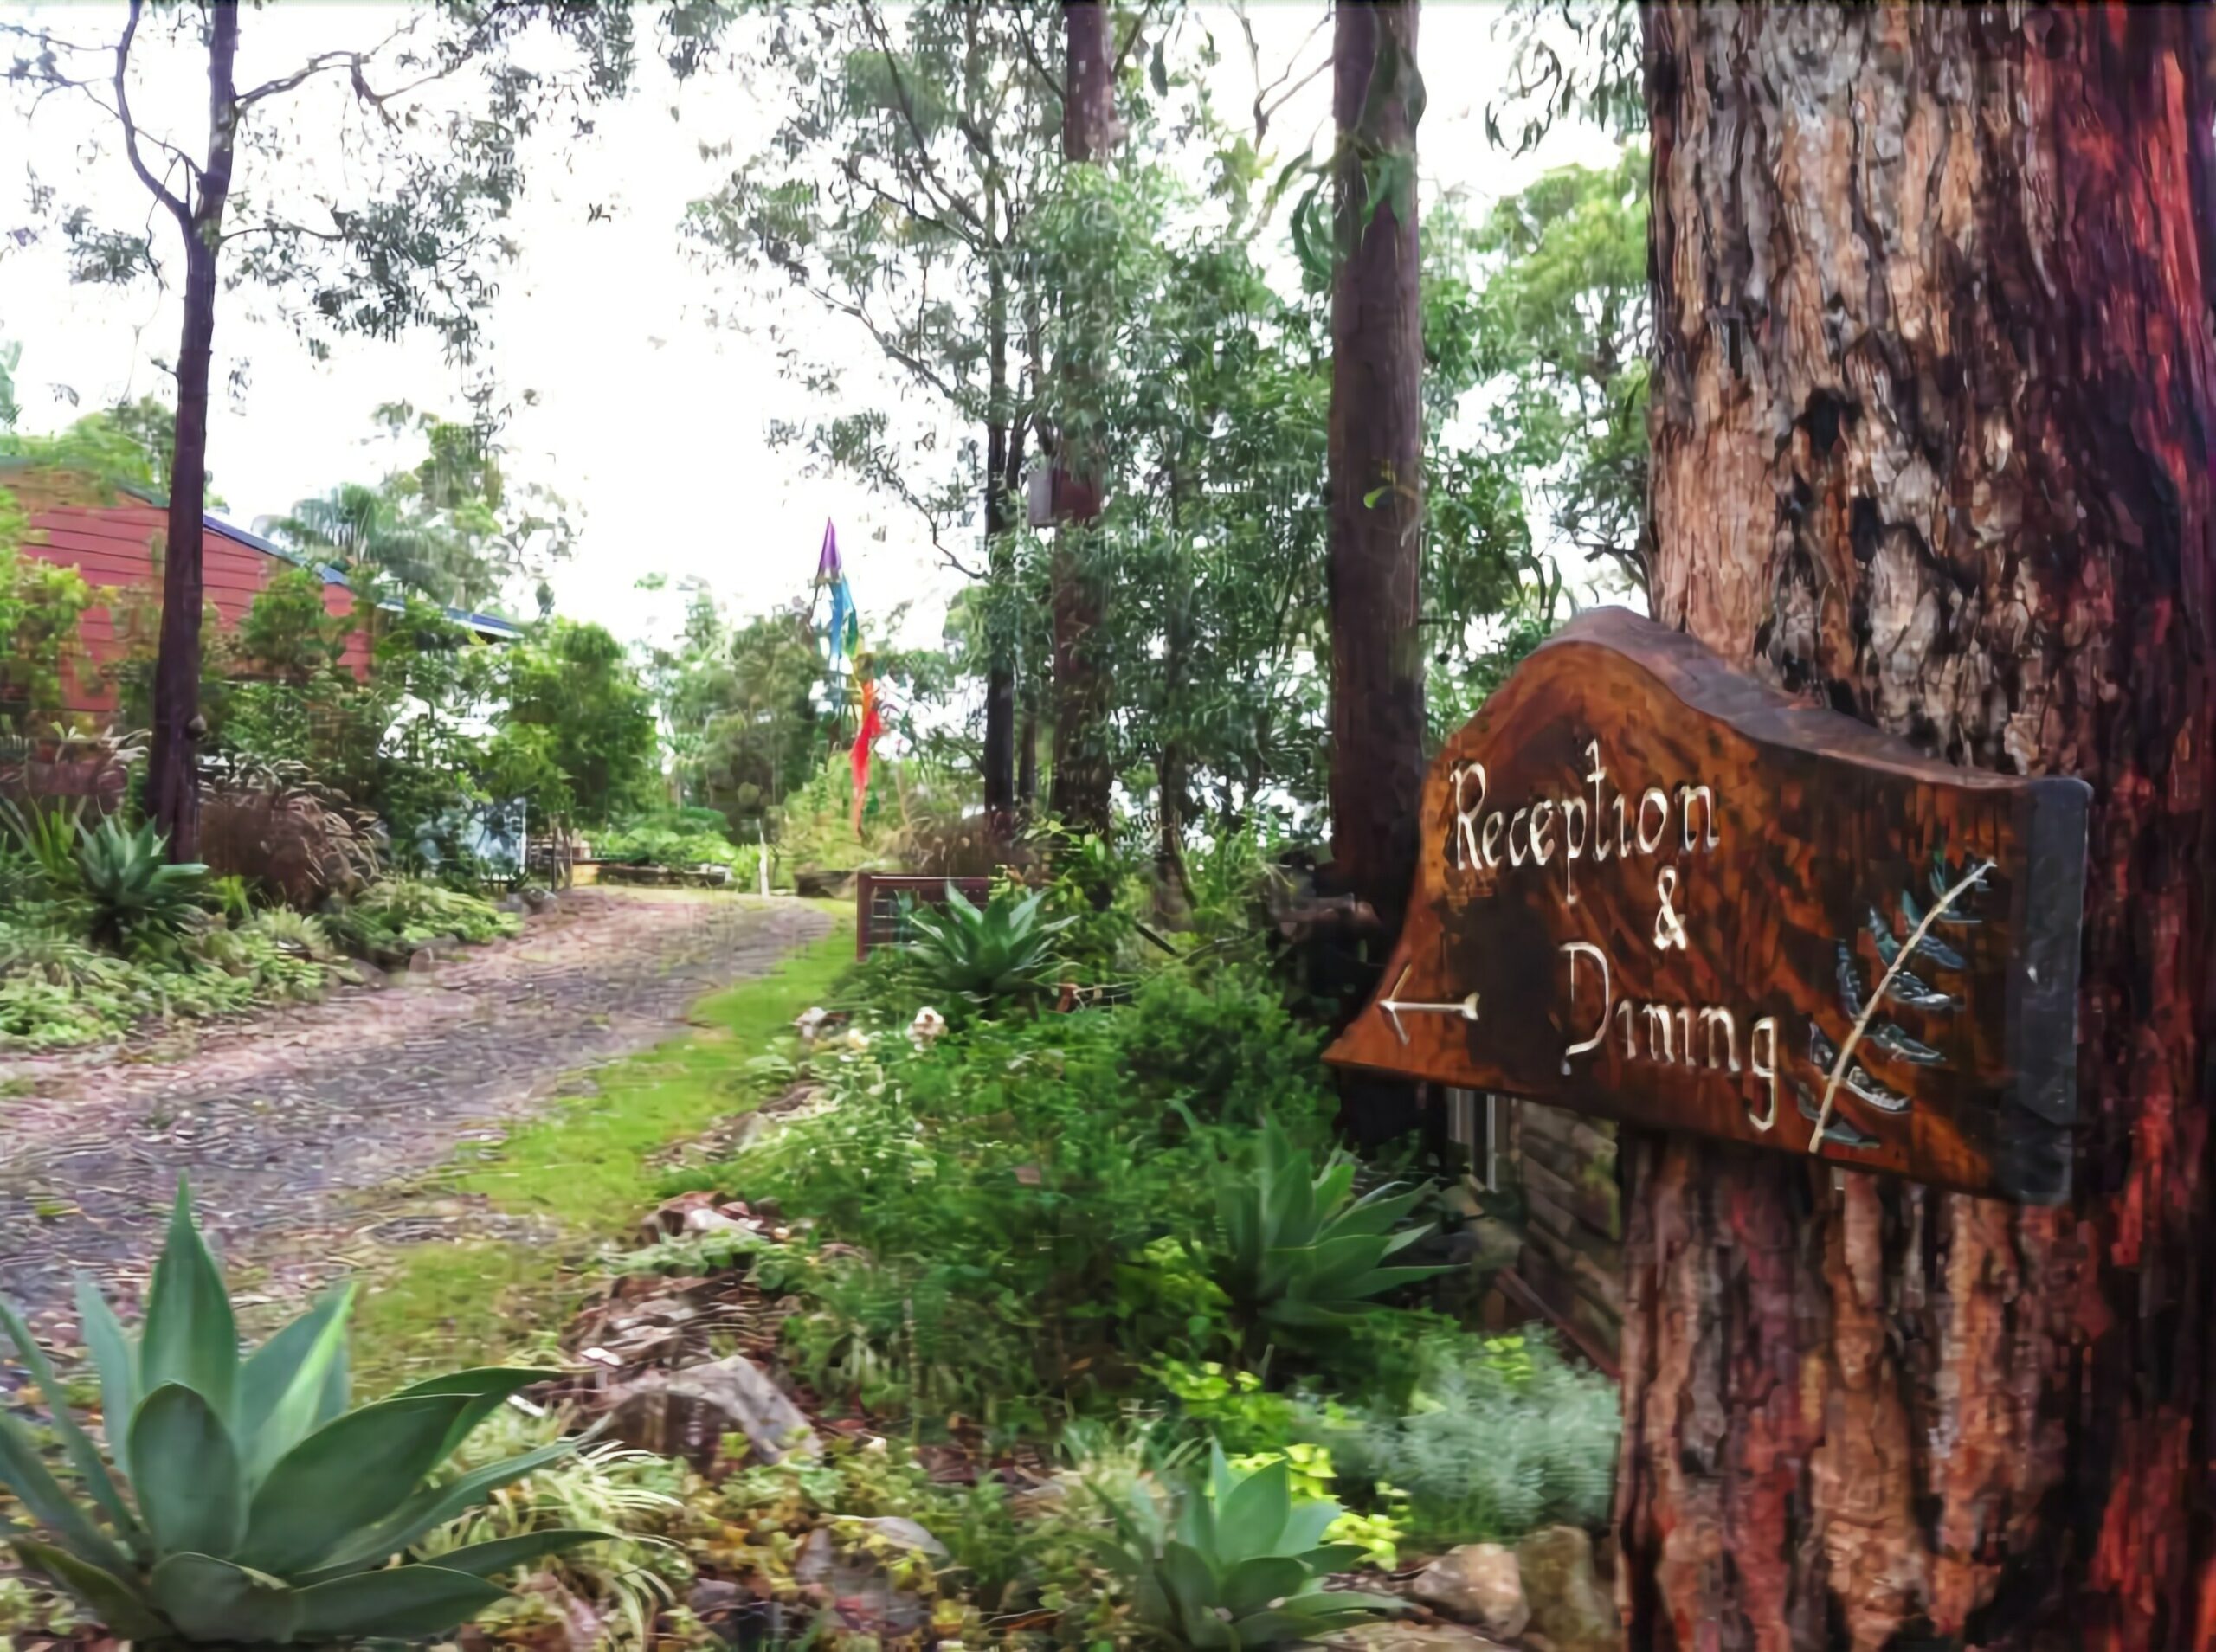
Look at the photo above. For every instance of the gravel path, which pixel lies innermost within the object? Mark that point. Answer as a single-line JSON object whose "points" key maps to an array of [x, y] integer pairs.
{"points": [[285, 1122]]}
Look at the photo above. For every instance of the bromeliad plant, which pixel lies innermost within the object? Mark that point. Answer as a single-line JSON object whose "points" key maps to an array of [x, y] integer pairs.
{"points": [[1300, 1252], [985, 955], [240, 1503], [1240, 1565]]}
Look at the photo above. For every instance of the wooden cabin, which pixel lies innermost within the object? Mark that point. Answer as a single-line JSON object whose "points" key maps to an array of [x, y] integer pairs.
{"points": [[1558, 1168], [114, 538]]}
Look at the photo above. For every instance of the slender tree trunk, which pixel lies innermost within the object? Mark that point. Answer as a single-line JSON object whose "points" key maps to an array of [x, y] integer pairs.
{"points": [[1173, 886], [1930, 421], [1002, 451], [1027, 754], [1376, 440], [172, 777], [1084, 776]]}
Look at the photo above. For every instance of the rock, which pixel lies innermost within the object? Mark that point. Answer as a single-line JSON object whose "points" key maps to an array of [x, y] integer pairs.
{"points": [[423, 962], [536, 898], [704, 1219], [823, 885], [511, 903], [1567, 1605], [856, 1588], [712, 1596], [1389, 1636], [672, 1216], [1480, 1584], [898, 1528], [688, 1413]]}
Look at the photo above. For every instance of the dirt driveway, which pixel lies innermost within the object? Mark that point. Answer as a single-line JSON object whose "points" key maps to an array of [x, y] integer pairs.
{"points": [[283, 1122]]}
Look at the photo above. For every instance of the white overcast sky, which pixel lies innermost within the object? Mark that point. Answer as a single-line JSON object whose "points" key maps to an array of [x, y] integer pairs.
{"points": [[643, 409]]}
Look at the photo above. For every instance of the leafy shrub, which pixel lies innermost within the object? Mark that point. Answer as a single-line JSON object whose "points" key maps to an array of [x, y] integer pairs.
{"points": [[1498, 1437], [987, 955], [1299, 1253], [130, 885], [55, 990], [676, 842], [294, 933], [637, 1497], [47, 835], [1226, 1041], [397, 915], [1018, 1193], [1092, 887], [1239, 1562], [260, 1510], [998, 1562], [1237, 1411]]}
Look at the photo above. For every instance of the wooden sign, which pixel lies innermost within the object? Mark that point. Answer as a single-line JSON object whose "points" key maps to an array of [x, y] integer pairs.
{"points": [[1654, 889]]}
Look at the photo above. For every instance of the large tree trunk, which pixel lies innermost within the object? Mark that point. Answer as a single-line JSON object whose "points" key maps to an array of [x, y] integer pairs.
{"points": [[1084, 780], [1376, 440], [172, 776], [1931, 418]]}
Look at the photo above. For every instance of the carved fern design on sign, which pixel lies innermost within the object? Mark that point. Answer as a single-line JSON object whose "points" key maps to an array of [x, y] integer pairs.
{"points": [[1898, 985]]}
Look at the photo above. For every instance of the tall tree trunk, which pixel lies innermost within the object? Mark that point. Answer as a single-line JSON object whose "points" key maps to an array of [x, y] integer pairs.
{"points": [[1026, 747], [1930, 434], [1173, 898], [1003, 450], [1084, 776], [1376, 440], [172, 774]]}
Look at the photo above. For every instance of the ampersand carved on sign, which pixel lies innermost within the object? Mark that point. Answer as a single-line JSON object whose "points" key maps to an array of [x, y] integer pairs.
{"points": [[1669, 928]]}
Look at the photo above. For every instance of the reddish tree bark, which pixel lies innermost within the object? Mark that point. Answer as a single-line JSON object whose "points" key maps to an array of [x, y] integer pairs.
{"points": [[172, 777], [1376, 440], [1930, 420], [1083, 779]]}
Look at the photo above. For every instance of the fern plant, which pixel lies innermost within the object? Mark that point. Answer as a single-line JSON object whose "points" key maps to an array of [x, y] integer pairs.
{"points": [[240, 1502]]}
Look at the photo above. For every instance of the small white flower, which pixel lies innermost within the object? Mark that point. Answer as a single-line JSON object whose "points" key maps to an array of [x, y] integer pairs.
{"points": [[857, 1039], [927, 1025]]}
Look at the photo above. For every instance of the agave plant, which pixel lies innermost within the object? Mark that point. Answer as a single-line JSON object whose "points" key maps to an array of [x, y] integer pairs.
{"points": [[1300, 1252], [240, 1501], [1240, 1563], [132, 885], [984, 953]]}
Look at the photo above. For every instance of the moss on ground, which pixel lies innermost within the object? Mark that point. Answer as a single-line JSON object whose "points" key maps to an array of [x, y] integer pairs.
{"points": [[581, 1174]]}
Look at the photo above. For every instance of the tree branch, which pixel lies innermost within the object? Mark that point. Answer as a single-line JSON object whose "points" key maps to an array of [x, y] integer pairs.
{"points": [[947, 199], [178, 207]]}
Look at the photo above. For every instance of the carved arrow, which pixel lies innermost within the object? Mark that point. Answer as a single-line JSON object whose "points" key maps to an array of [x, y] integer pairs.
{"points": [[1466, 1008]]}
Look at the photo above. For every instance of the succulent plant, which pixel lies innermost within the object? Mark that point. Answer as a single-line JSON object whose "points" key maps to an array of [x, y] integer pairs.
{"points": [[984, 954], [240, 1501], [132, 885], [1240, 1563], [1300, 1253]]}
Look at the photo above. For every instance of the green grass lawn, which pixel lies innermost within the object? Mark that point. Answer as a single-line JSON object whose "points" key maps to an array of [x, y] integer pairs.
{"points": [[588, 1168]]}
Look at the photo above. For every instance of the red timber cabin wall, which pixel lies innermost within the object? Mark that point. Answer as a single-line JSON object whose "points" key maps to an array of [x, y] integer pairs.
{"points": [[113, 540]]}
